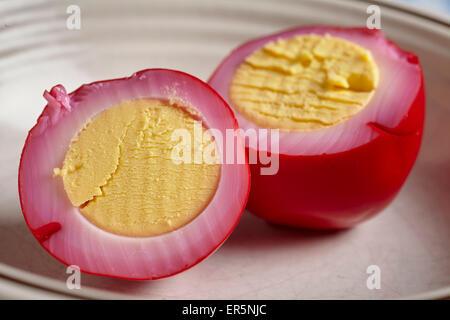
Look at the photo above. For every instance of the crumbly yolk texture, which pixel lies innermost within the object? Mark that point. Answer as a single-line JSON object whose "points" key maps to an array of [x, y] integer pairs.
{"points": [[304, 83], [120, 172]]}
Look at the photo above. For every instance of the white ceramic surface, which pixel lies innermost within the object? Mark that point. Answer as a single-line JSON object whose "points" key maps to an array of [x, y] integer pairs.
{"points": [[409, 241]]}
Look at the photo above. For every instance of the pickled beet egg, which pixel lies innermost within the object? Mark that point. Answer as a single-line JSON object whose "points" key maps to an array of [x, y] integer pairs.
{"points": [[349, 106], [123, 177]]}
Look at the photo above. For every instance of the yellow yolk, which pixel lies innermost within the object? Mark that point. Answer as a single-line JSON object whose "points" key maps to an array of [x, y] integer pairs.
{"points": [[120, 171], [304, 83]]}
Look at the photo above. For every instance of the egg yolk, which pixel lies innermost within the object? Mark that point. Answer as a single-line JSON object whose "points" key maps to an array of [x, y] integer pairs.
{"points": [[304, 83], [120, 172]]}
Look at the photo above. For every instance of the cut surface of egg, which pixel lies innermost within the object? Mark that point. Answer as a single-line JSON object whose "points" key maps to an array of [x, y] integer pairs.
{"points": [[304, 83], [120, 172], [123, 177]]}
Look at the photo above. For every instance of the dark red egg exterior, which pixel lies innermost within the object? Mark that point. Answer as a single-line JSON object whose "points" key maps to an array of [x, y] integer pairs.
{"points": [[339, 190]]}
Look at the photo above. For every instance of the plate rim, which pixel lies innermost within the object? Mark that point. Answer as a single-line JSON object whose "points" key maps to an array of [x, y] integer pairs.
{"points": [[46, 285]]}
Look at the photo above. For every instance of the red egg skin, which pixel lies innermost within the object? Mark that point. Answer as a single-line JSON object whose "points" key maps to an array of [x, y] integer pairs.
{"points": [[337, 191]]}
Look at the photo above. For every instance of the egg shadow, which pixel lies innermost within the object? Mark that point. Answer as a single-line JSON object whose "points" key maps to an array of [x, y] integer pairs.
{"points": [[255, 234]]}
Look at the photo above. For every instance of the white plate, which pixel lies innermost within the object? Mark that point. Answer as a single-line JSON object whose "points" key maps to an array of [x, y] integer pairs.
{"points": [[409, 241]]}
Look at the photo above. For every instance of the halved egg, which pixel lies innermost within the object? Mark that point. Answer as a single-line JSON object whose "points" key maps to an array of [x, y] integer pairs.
{"points": [[346, 110], [124, 177]]}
